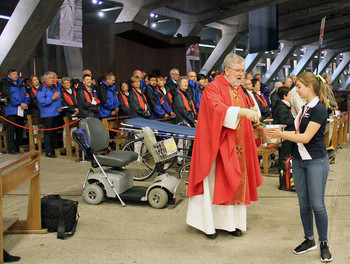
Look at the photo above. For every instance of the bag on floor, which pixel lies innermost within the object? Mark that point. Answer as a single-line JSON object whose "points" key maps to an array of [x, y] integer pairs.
{"points": [[331, 154], [59, 215], [286, 175]]}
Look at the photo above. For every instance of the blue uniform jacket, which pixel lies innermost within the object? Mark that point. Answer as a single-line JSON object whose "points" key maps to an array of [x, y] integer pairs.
{"points": [[47, 106], [108, 100], [18, 95]]}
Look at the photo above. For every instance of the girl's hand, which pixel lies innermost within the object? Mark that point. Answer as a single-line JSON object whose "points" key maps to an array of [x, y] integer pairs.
{"points": [[273, 133]]}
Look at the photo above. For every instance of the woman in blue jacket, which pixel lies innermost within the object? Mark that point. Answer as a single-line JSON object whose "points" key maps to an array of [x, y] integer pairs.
{"points": [[15, 92]]}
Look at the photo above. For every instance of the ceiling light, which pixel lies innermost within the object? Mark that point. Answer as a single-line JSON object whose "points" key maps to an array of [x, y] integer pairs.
{"points": [[154, 25], [4, 17], [100, 2], [94, 1], [151, 15], [100, 14]]}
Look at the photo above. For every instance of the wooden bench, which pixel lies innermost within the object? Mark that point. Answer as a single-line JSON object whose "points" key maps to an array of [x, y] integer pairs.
{"points": [[266, 151], [35, 121], [342, 132], [114, 123], [3, 136], [68, 138], [13, 176]]}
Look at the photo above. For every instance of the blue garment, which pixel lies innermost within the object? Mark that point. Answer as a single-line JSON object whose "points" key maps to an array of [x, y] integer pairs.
{"points": [[47, 106], [143, 85], [310, 177], [18, 95], [108, 100], [158, 108], [266, 93]]}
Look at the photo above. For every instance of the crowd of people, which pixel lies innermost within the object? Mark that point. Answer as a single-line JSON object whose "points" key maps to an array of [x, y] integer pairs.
{"points": [[145, 96], [233, 101]]}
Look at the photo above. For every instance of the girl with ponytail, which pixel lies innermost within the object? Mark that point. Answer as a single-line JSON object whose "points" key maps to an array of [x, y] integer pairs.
{"points": [[310, 161]]}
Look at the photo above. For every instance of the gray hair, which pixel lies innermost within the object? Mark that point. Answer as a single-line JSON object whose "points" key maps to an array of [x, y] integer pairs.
{"points": [[182, 78], [172, 71], [232, 58], [64, 79], [46, 74]]}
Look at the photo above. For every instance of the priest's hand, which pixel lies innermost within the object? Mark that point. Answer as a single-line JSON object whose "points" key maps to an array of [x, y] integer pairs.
{"points": [[250, 114]]}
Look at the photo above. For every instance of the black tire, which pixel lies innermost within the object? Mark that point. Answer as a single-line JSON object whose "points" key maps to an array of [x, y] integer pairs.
{"points": [[93, 194], [184, 171], [158, 198], [141, 168]]}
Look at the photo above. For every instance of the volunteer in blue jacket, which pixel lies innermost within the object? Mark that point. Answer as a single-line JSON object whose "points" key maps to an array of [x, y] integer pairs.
{"points": [[50, 105], [15, 92], [107, 94], [310, 161]]}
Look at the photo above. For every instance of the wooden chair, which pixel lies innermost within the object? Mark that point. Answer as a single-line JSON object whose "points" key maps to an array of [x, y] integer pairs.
{"points": [[35, 121], [266, 151]]}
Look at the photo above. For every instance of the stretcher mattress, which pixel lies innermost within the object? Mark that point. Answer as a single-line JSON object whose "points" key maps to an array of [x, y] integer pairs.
{"points": [[161, 127]]}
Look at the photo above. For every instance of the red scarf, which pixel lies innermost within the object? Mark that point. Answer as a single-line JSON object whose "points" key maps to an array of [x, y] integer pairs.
{"points": [[250, 101], [140, 97], [88, 98], [68, 98], [34, 91], [161, 99], [125, 99], [187, 106], [262, 100]]}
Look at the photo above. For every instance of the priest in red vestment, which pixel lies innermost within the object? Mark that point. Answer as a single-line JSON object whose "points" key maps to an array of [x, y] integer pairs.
{"points": [[225, 171]]}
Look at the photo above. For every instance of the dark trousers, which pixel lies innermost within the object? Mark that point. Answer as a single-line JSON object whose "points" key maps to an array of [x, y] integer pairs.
{"points": [[14, 133], [50, 136]]}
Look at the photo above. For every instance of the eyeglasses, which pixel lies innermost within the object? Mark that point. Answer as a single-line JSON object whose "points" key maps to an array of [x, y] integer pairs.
{"points": [[236, 70]]}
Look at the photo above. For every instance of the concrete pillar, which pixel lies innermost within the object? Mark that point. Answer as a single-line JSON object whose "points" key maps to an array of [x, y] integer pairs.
{"points": [[251, 60], [305, 60], [189, 28], [225, 46], [326, 61], [24, 30], [347, 84], [344, 63], [278, 63], [74, 61], [139, 10]]}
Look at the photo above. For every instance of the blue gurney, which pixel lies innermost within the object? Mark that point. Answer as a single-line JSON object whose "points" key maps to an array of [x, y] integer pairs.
{"points": [[162, 128]]}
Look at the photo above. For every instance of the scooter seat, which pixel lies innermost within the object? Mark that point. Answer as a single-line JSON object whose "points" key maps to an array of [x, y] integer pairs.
{"points": [[117, 158]]}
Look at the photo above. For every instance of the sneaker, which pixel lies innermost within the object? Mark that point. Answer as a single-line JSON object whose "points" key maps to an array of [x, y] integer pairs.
{"points": [[306, 246], [326, 256]]}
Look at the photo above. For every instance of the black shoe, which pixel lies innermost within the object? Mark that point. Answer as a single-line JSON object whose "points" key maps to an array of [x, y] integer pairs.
{"points": [[51, 155], [10, 258], [236, 233], [306, 246], [212, 236], [326, 256]]}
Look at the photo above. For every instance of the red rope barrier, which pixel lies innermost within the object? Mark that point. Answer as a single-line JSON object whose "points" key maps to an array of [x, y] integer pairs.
{"points": [[268, 145], [117, 131], [41, 129]]}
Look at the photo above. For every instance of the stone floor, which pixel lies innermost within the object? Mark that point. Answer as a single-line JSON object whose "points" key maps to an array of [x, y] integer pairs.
{"points": [[137, 233]]}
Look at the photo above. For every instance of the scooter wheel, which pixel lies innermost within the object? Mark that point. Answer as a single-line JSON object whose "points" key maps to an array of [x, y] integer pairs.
{"points": [[158, 198], [93, 194]]}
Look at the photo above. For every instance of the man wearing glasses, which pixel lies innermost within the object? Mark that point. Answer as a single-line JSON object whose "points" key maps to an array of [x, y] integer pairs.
{"points": [[225, 171]]}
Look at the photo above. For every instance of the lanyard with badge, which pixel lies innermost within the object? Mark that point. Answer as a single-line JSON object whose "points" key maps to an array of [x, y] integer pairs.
{"points": [[300, 118]]}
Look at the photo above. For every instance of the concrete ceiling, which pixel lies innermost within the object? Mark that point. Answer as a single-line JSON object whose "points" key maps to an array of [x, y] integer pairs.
{"points": [[299, 20]]}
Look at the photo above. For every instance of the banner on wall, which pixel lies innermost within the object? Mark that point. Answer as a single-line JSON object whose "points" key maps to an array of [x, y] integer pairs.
{"points": [[193, 52], [66, 27]]}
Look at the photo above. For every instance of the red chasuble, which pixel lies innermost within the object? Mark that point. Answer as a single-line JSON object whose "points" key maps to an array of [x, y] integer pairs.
{"points": [[237, 174]]}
